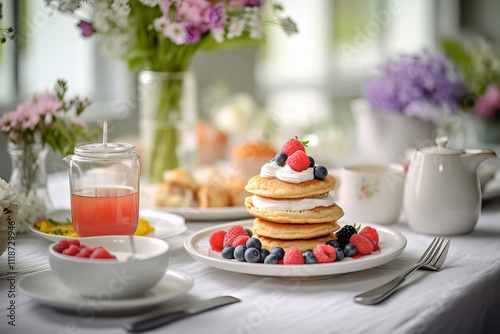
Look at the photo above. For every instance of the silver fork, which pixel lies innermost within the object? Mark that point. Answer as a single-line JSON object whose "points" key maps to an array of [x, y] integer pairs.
{"points": [[432, 259]]}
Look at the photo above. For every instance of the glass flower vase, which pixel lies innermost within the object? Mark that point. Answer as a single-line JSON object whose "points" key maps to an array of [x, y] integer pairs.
{"points": [[168, 118], [29, 179]]}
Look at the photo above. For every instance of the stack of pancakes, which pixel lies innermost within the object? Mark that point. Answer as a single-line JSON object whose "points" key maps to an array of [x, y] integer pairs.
{"points": [[301, 229]]}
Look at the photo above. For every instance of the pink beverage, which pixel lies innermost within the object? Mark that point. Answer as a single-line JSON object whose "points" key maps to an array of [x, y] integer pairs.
{"points": [[105, 211]]}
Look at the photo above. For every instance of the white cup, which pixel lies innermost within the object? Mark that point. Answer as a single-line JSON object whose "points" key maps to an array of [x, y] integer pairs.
{"points": [[371, 193]]}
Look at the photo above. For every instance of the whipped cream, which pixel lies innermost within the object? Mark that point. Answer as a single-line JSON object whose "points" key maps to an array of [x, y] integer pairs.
{"points": [[269, 170], [286, 174], [292, 204]]}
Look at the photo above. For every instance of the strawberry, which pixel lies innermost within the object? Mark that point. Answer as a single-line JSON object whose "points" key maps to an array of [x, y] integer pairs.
{"points": [[75, 242], [72, 250], [85, 252], [293, 145], [101, 253], [241, 240], [324, 253], [61, 245], [371, 231], [293, 256], [363, 245], [233, 232], [217, 240], [298, 161]]}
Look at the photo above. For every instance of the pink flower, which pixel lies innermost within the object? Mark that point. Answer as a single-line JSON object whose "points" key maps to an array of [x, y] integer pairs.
{"points": [[77, 121], [6, 121], [27, 115], [215, 17], [48, 104], [243, 3], [190, 13], [87, 28], [488, 104]]}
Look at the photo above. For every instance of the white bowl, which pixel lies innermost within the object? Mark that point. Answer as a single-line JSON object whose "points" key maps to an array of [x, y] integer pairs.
{"points": [[111, 279]]}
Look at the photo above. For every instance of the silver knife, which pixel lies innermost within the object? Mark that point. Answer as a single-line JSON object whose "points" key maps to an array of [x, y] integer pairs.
{"points": [[161, 318]]}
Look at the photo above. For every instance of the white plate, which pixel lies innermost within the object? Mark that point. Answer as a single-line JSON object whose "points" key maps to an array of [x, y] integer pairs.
{"points": [[391, 242], [166, 224], [210, 214], [46, 288]]}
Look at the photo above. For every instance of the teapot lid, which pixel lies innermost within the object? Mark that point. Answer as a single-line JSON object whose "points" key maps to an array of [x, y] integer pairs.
{"points": [[441, 148], [108, 150]]}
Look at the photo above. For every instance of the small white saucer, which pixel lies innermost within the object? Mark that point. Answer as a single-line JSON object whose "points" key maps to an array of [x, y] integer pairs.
{"points": [[44, 287]]}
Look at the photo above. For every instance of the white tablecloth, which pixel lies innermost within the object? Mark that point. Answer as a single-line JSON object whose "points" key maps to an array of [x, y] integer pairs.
{"points": [[464, 297]]}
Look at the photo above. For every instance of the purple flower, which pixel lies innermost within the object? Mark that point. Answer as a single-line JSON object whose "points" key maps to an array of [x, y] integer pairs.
{"points": [[215, 17], [86, 27], [409, 83], [488, 104], [253, 3], [193, 34]]}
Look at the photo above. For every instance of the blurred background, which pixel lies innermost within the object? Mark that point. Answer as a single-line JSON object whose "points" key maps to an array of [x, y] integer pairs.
{"points": [[299, 85]]}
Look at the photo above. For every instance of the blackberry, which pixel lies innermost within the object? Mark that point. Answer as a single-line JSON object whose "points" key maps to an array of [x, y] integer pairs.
{"points": [[344, 235]]}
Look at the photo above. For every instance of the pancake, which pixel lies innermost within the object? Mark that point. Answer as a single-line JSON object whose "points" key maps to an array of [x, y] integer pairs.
{"points": [[313, 216], [293, 231], [275, 188], [301, 244]]}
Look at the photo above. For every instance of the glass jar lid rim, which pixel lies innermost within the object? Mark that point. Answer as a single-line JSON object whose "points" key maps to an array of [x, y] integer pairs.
{"points": [[100, 149]]}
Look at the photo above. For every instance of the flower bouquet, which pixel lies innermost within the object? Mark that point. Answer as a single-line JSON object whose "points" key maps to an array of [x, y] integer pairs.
{"points": [[161, 37], [480, 68], [45, 120], [404, 100]]}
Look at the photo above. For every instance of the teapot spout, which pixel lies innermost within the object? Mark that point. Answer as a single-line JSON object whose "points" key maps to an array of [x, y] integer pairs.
{"points": [[474, 157]]}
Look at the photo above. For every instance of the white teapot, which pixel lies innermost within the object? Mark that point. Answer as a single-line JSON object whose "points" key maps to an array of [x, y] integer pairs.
{"points": [[442, 195]]}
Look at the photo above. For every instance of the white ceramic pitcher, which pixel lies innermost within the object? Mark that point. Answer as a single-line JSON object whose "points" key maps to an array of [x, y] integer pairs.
{"points": [[442, 195]]}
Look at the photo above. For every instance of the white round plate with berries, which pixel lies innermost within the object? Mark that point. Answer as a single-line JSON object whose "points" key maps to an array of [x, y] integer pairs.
{"points": [[391, 243]]}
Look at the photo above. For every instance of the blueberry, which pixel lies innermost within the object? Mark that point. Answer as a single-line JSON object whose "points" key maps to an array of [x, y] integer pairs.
{"points": [[252, 255], [270, 161], [271, 259], [311, 160], [249, 232], [280, 159], [320, 172], [228, 252], [279, 252], [263, 254], [239, 253], [309, 257], [254, 242], [339, 254], [333, 243], [350, 250]]}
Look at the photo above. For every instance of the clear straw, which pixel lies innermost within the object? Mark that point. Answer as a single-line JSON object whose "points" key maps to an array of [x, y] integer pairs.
{"points": [[105, 133]]}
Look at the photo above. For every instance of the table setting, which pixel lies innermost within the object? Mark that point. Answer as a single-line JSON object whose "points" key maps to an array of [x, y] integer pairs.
{"points": [[247, 218]]}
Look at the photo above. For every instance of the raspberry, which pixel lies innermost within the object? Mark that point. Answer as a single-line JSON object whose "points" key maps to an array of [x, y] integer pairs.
{"points": [[363, 245], [371, 231], [280, 262], [234, 232], [217, 240], [293, 256], [72, 250], [293, 145], [61, 245], [241, 240], [324, 253], [101, 253], [298, 161]]}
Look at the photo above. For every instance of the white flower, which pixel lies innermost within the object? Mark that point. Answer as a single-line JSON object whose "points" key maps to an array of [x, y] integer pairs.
{"points": [[121, 7], [115, 45], [218, 35], [150, 3], [255, 22], [101, 15], [236, 27], [31, 207], [176, 32], [160, 23]]}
